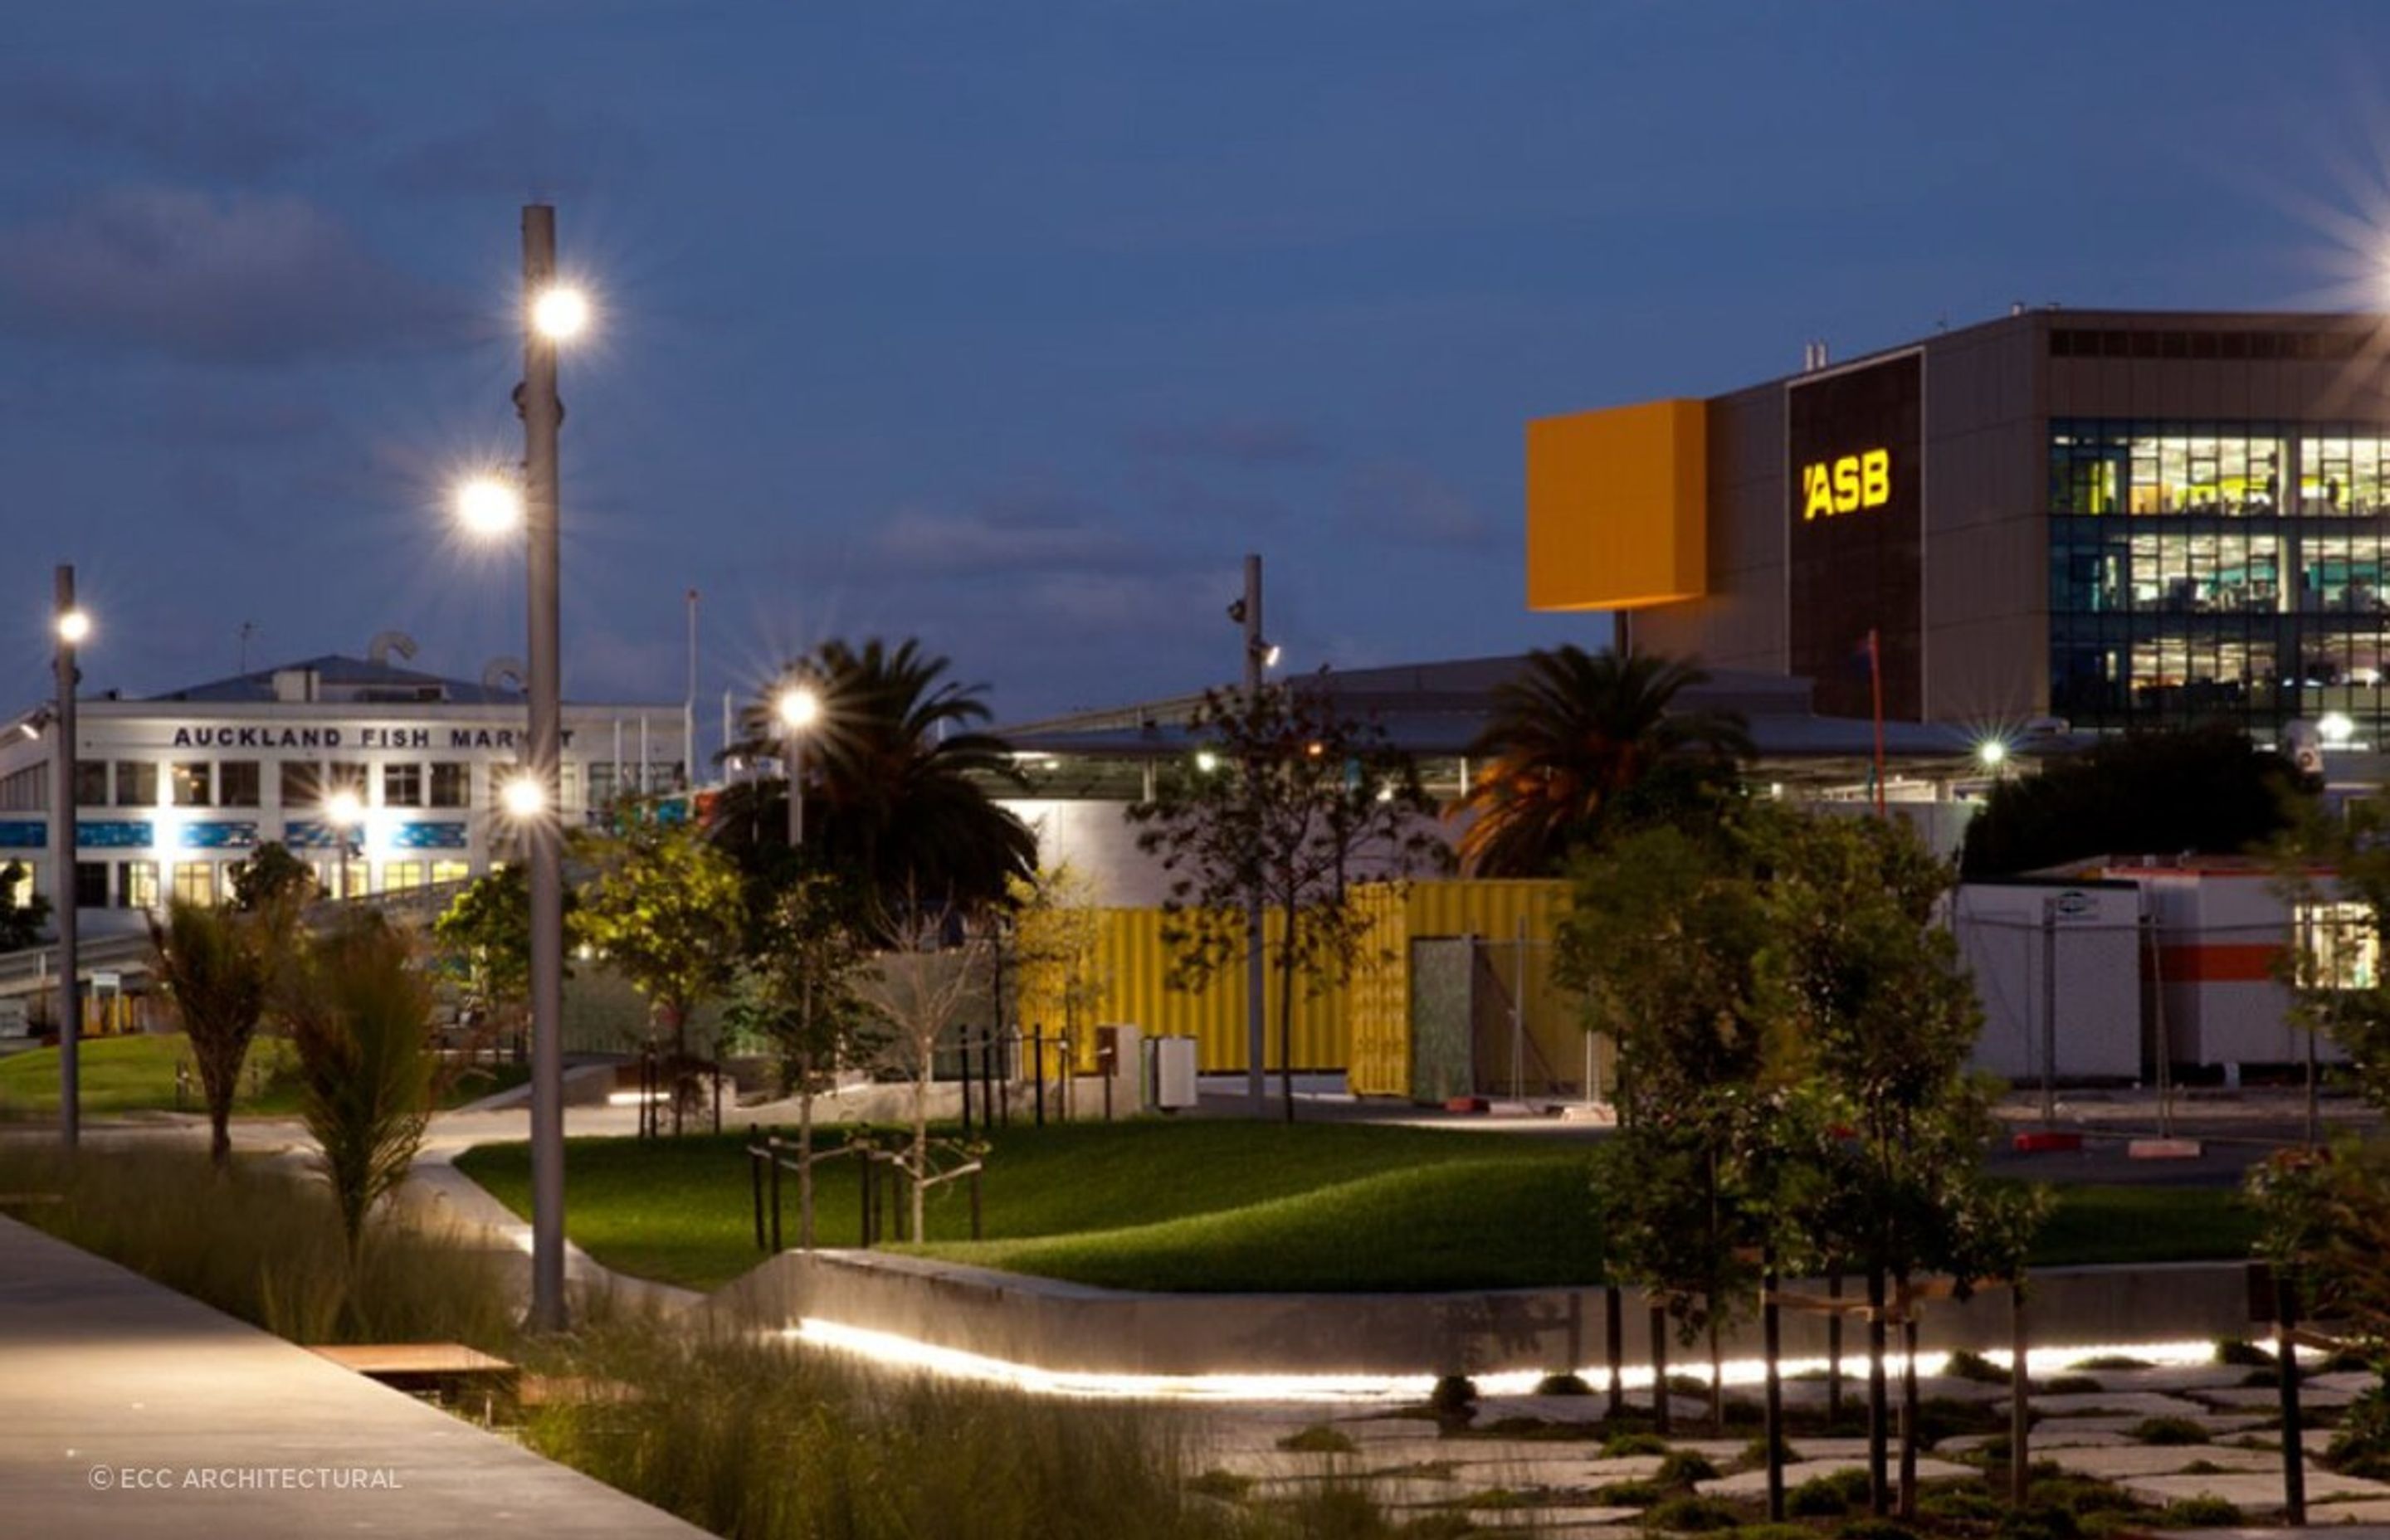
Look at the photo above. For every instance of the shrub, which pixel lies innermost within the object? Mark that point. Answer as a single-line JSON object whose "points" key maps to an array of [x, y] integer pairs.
{"points": [[1455, 1396], [2072, 1384], [1226, 1485], [1693, 1515], [1964, 1364], [1620, 1446], [2233, 1349], [1875, 1529], [1683, 1468], [2168, 1429], [1317, 1439], [2113, 1361], [1771, 1532], [2037, 1523], [2198, 1513], [1963, 1504], [1818, 1497], [1563, 1385], [1631, 1495]]}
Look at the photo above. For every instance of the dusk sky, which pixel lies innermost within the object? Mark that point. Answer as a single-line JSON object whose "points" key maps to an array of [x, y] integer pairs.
{"points": [[1013, 326]]}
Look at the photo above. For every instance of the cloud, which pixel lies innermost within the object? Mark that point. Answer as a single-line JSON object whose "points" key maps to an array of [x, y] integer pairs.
{"points": [[1243, 441], [248, 278], [1403, 503], [233, 128], [1015, 535], [517, 149]]}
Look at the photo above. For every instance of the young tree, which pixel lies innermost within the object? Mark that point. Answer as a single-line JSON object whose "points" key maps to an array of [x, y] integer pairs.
{"points": [[2146, 793], [1291, 805], [271, 878], [666, 908], [1857, 972], [23, 912], [359, 1011], [214, 965], [1057, 937], [918, 985], [485, 936], [798, 990], [1660, 939]]}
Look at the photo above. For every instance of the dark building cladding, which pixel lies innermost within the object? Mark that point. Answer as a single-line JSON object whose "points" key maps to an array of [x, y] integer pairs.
{"points": [[2116, 518]]}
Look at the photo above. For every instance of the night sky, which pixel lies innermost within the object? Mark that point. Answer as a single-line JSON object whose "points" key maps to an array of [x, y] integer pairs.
{"points": [[1012, 326]]}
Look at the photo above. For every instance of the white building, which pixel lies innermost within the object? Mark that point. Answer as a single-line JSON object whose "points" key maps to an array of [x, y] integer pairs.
{"points": [[174, 790]]}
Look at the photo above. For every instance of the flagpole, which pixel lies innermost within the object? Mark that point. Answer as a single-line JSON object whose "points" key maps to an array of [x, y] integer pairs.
{"points": [[1875, 684]]}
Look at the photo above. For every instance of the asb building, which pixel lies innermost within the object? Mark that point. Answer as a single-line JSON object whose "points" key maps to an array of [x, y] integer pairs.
{"points": [[2109, 518], [174, 790]]}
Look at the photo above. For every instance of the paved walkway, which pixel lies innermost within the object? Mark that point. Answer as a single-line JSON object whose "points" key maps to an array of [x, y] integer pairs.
{"points": [[129, 1410]]}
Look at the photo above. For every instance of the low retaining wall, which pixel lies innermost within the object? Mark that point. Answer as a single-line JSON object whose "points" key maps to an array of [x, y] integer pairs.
{"points": [[1068, 1328]]}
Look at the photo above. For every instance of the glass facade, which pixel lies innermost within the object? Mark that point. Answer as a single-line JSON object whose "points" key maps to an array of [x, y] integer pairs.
{"points": [[2204, 572]]}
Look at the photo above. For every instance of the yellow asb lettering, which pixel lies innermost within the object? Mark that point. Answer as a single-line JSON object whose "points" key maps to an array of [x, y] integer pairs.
{"points": [[1845, 485]]}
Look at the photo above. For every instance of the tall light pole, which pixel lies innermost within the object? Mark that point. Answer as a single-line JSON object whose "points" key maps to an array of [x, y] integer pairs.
{"points": [[1248, 610], [550, 314], [799, 708], [344, 810], [70, 625]]}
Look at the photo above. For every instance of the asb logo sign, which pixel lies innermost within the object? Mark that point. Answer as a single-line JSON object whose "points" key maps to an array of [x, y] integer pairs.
{"points": [[1845, 485]]}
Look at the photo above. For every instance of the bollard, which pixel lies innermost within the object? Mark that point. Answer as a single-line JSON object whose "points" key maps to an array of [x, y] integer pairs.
{"points": [[1614, 1334], [1660, 1369], [2286, 1352]]}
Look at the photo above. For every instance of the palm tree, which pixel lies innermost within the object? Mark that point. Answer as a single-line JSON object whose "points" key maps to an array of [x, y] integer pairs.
{"points": [[1579, 740], [895, 780]]}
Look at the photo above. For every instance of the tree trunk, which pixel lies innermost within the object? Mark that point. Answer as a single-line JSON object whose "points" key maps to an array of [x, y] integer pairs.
{"points": [[1286, 1016], [922, 1132], [806, 1150], [1878, 1496], [219, 1132], [1717, 1375]]}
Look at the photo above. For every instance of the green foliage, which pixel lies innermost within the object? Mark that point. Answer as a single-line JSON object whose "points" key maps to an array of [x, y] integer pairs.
{"points": [[2360, 1445], [795, 994], [24, 914], [2072, 1384], [1300, 793], [484, 939], [1875, 1529], [1966, 1365], [1563, 1385], [1454, 1395], [1318, 1439], [2168, 1430], [1818, 1497], [1631, 1494], [2197, 1513], [1692, 1515], [360, 1013], [1683, 1468], [1963, 1504], [665, 909], [271, 876], [2146, 793], [1581, 746], [1622, 1445], [896, 781], [214, 967]]}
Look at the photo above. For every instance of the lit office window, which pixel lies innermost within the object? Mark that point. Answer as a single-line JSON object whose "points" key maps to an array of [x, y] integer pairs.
{"points": [[194, 784], [2342, 947], [140, 887], [399, 876], [195, 881], [450, 872]]}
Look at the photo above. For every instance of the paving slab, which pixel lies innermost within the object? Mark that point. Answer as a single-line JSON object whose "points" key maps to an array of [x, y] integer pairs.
{"points": [[2167, 1378], [1746, 1484], [132, 1412], [1545, 1408], [1391, 1492], [2056, 1437], [1575, 1521], [2134, 1404], [2311, 1398], [2355, 1381], [2216, 1424], [2252, 1492], [2149, 1459]]}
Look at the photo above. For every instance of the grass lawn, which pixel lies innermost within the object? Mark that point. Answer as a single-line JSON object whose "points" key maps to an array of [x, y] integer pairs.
{"points": [[136, 1073], [1224, 1206]]}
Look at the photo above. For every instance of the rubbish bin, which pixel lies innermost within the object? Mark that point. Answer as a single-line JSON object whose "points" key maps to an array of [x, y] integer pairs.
{"points": [[1173, 1087]]}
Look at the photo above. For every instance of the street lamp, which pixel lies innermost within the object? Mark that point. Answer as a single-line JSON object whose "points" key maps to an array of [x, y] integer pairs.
{"points": [[490, 506], [799, 707], [70, 625], [344, 810]]}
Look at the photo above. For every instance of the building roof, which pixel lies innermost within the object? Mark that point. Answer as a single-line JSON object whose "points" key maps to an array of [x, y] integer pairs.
{"points": [[337, 678], [1439, 708]]}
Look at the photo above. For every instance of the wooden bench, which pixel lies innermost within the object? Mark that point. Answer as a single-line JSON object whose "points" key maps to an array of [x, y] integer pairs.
{"points": [[449, 1372]]}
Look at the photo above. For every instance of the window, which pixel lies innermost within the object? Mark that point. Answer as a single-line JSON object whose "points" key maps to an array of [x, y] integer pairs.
{"points": [[137, 783], [26, 790], [399, 875], [195, 881], [449, 871], [91, 884], [601, 783], [303, 784], [194, 784], [402, 785], [236, 783], [350, 779], [140, 887], [27, 884], [2343, 949], [452, 785], [91, 783]]}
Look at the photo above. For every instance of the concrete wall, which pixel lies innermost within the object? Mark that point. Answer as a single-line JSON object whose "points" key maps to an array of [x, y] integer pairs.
{"points": [[1068, 1328], [2088, 963]]}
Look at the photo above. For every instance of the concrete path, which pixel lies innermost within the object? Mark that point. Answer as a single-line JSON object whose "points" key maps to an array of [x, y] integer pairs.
{"points": [[129, 1410]]}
